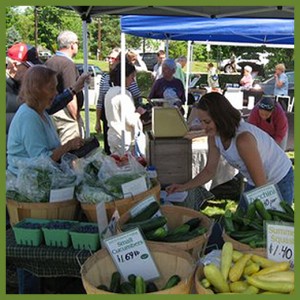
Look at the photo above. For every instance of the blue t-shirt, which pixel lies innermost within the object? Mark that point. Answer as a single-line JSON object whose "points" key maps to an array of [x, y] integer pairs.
{"points": [[282, 91], [30, 136]]}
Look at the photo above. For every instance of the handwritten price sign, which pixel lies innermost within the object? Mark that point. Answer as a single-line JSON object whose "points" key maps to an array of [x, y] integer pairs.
{"points": [[280, 242]]}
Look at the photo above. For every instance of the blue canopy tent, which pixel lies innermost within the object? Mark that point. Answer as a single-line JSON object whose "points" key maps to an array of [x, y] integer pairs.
{"points": [[236, 30]]}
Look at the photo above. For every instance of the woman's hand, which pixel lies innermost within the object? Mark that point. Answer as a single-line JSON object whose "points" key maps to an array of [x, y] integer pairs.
{"points": [[75, 143], [175, 187]]}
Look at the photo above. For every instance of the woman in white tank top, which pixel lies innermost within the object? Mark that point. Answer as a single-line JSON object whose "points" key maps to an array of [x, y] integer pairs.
{"points": [[246, 147]]}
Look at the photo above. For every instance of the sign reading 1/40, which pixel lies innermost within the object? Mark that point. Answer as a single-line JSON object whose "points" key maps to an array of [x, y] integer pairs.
{"points": [[131, 255], [280, 242]]}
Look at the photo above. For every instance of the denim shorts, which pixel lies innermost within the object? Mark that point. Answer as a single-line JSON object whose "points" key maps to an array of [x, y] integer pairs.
{"points": [[285, 186]]}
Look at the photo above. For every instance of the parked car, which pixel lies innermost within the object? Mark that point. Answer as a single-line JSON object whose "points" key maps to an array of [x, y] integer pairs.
{"points": [[268, 85], [96, 74], [256, 60], [150, 59]]}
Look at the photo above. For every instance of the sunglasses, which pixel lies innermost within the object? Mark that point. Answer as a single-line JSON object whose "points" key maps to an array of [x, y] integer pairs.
{"points": [[264, 106]]}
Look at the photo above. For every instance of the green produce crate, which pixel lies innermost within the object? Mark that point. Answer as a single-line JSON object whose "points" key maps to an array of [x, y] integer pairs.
{"points": [[57, 233], [85, 236], [28, 232]]}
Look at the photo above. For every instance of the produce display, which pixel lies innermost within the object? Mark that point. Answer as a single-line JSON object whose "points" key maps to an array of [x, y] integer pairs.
{"points": [[154, 227], [136, 284], [245, 273], [247, 227]]}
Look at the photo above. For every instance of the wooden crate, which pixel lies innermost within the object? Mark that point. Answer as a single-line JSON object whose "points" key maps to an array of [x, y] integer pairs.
{"points": [[172, 158]]}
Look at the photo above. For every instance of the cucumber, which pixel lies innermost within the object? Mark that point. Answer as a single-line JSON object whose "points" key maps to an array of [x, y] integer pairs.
{"points": [[194, 223], [176, 238], [140, 285], [172, 281], [131, 279], [146, 213], [146, 225], [157, 234], [250, 238], [260, 208], [260, 243], [115, 282], [243, 234], [182, 229], [228, 223], [127, 288], [151, 287], [103, 287]]}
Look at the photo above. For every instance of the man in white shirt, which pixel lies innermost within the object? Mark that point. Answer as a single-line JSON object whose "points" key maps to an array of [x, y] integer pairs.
{"points": [[157, 69]]}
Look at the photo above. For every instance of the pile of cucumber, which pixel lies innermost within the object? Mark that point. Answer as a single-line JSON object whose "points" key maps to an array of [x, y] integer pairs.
{"points": [[154, 227], [136, 284], [247, 227]]}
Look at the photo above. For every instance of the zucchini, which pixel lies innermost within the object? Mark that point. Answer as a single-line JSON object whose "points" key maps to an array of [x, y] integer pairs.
{"points": [[260, 208], [140, 285], [280, 214], [151, 287], [287, 208], [251, 211], [228, 222], [115, 282], [244, 234], [146, 225], [194, 223], [156, 234], [172, 281], [127, 288], [248, 239], [146, 213], [259, 243]]}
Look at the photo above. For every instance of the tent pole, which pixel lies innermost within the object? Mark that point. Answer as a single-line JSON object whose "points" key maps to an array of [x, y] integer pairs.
{"points": [[188, 70], [123, 76], [85, 69]]}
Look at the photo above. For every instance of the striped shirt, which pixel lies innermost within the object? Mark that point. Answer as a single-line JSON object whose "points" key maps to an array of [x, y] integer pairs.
{"points": [[105, 86]]}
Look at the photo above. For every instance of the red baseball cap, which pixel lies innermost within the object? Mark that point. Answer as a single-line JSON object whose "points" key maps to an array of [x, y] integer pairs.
{"points": [[24, 53]]}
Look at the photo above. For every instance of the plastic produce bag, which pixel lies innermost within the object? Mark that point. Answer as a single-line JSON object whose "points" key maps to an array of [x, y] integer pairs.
{"points": [[113, 176], [92, 194]]}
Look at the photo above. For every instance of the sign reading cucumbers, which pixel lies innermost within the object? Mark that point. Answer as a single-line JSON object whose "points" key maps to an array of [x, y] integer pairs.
{"points": [[268, 194], [131, 255]]}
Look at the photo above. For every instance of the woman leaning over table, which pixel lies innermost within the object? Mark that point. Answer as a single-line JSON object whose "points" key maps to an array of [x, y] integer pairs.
{"points": [[246, 147], [31, 133]]}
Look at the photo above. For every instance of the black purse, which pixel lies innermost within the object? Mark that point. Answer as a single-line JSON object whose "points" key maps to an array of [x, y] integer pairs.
{"points": [[90, 144]]}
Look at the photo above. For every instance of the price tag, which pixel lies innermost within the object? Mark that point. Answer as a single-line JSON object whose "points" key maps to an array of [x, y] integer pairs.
{"points": [[63, 194], [134, 187], [280, 242], [131, 255], [268, 194]]}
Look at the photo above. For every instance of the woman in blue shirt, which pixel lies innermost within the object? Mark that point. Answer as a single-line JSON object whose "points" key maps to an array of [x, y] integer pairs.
{"points": [[32, 133]]}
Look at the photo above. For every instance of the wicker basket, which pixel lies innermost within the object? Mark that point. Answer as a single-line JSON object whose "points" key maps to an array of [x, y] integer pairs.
{"points": [[243, 247], [200, 289], [176, 216], [65, 210], [123, 205], [98, 269]]}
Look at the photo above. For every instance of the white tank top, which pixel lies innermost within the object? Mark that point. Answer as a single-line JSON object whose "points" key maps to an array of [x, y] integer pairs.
{"points": [[275, 161]]}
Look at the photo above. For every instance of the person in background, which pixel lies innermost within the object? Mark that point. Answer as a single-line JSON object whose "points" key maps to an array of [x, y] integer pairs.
{"points": [[180, 64], [281, 86], [118, 105], [137, 61], [246, 147], [105, 85], [247, 81], [269, 116], [68, 121], [157, 69], [212, 76], [20, 57], [168, 87]]}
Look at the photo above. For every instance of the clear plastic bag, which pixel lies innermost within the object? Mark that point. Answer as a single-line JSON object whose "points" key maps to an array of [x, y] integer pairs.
{"points": [[92, 194]]}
